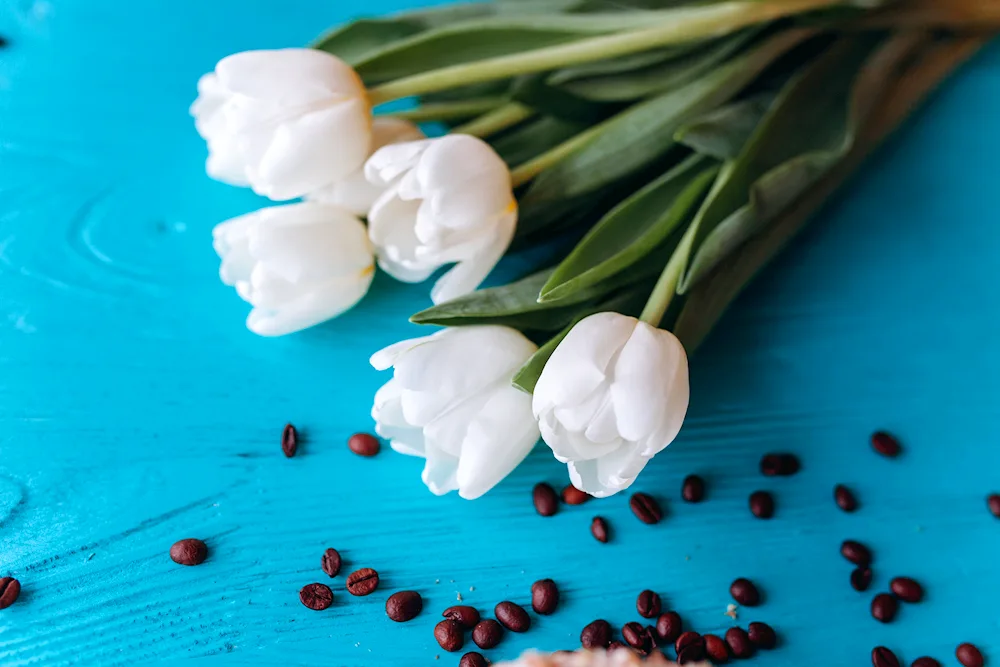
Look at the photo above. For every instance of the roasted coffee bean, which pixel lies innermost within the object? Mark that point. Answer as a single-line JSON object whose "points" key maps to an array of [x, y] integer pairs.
{"points": [[645, 508], [464, 615], [615, 645], [861, 578], [648, 604], [969, 656], [544, 596], [574, 496], [316, 596], [546, 500], [652, 636], [716, 649], [688, 638], [635, 636], [907, 589], [512, 616], [885, 444], [739, 642], [925, 662], [762, 504], [190, 551], [364, 444], [362, 582], [693, 653], [289, 440], [693, 489], [10, 588], [669, 627], [745, 592], [596, 635], [883, 657], [993, 503], [487, 633], [404, 606], [762, 635], [473, 659], [856, 552], [448, 634], [599, 529], [845, 498], [330, 562], [783, 465], [884, 607]]}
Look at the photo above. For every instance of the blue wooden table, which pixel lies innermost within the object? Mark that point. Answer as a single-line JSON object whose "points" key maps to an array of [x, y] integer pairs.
{"points": [[135, 409]]}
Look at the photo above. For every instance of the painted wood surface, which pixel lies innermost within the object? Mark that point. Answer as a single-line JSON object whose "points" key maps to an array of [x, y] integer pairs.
{"points": [[135, 409]]}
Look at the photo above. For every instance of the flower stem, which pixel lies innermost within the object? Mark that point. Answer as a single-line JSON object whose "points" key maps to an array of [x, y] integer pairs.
{"points": [[532, 168], [496, 120], [688, 25], [666, 286], [449, 110]]}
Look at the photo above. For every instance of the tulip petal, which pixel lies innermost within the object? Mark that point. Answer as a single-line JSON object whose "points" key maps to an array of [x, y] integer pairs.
{"points": [[467, 275], [387, 356], [440, 473], [459, 161], [390, 162], [294, 76], [323, 302], [609, 474], [447, 430]]}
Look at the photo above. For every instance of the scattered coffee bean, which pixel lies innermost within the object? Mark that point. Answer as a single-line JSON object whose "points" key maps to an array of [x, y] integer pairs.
{"points": [[993, 503], [645, 508], [925, 662], [969, 656], [669, 627], [687, 639], [652, 637], [861, 578], [404, 606], [884, 607], [574, 496], [762, 635], [512, 616], [693, 653], [635, 636], [487, 633], [596, 635], [779, 465], [190, 551], [762, 504], [907, 589], [883, 657], [330, 562], [716, 649], [464, 615], [362, 582], [364, 444], [544, 596], [10, 588], [449, 635], [316, 596], [599, 529], [745, 592], [546, 500], [289, 440], [648, 604], [693, 489], [885, 444], [856, 552], [845, 498], [739, 642], [473, 659]]}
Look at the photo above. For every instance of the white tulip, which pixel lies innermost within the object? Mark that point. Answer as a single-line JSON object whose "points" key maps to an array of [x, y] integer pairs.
{"points": [[354, 192], [297, 265], [285, 122], [612, 395], [451, 401], [449, 200]]}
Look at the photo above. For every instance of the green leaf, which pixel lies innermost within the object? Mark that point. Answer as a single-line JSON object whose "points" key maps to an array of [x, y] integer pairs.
{"points": [[634, 229], [810, 126], [723, 132], [534, 92], [533, 138]]}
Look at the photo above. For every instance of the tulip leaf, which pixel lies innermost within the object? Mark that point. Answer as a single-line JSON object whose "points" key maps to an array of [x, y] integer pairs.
{"points": [[533, 138], [722, 133], [809, 127], [534, 92], [634, 229]]}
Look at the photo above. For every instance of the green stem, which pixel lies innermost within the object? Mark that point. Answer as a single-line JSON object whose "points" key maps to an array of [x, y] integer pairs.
{"points": [[532, 168], [494, 121], [688, 25], [666, 286], [449, 110]]}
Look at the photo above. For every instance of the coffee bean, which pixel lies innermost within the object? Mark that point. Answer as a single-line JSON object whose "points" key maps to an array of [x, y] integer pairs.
{"points": [[669, 627], [599, 529], [845, 498], [907, 589], [739, 642], [645, 508], [693, 489], [635, 636], [404, 606], [762, 504], [289, 440], [362, 582], [546, 500], [652, 636], [464, 615], [648, 604], [544, 596], [10, 588], [693, 653], [856, 552], [449, 635], [883, 657], [969, 656], [487, 633], [885, 444], [745, 592], [993, 503], [861, 578], [330, 562], [364, 444], [779, 465], [615, 645], [316, 596], [596, 635], [473, 659], [884, 607], [190, 551], [574, 496], [687, 639], [512, 616], [925, 662], [716, 649], [762, 635]]}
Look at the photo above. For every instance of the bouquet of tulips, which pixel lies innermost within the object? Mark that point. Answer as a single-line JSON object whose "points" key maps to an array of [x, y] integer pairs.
{"points": [[680, 144]]}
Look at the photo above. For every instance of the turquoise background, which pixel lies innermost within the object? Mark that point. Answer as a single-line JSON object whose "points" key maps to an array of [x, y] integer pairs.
{"points": [[135, 408]]}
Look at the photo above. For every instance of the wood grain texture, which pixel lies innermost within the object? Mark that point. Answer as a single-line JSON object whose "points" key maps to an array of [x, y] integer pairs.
{"points": [[135, 409]]}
